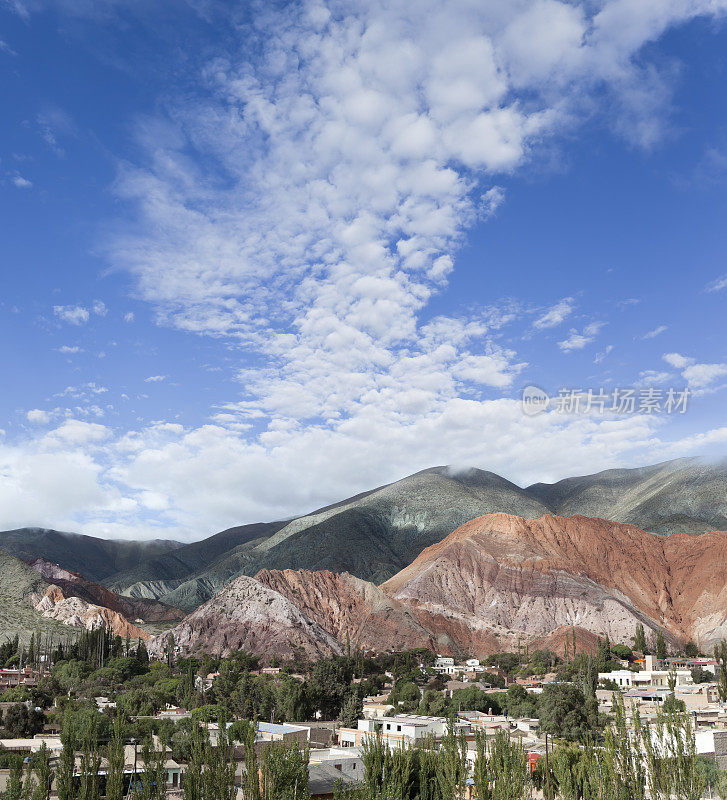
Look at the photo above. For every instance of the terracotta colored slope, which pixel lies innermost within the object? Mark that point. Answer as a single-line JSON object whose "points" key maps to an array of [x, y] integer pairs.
{"points": [[347, 606], [535, 575], [74, 584], [74, 611]]}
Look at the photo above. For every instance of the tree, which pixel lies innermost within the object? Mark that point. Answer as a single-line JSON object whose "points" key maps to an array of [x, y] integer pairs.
{"points": [[329, 685], [720, 656], [691, 650], [115, 774], [21, 721], [351, 710], [67, 759], [562, 712], [660, 646], [640, 639], [285, 772], [43, 774], [245, 732], [519, 702]]}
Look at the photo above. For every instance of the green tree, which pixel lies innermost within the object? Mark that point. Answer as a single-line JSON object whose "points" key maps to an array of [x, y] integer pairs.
{"points": [[640, 639], [660, 646], [720, 656], [115, 774], [351, 710], [562, 712], [284, 772], [66, 763]]}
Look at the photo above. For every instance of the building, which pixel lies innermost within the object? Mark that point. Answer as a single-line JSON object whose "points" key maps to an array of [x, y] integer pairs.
{"points": [[279, 732], [402, 730], [651, 678], [322, 780], [18, 677], [347, 760], [445, 665]]}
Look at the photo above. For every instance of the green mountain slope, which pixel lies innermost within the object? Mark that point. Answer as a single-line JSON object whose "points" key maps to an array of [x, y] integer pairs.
{"points": [[18, 584], [94, 558]]}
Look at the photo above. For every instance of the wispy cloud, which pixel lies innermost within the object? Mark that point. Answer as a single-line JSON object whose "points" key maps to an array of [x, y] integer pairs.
{"points": [[21, 183], [652, 334], [556, 314], [718, 284], [155, 378]]}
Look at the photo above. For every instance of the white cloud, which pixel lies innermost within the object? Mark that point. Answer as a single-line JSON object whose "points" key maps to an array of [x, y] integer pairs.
{"points": [[650, 377], [99, 308], [155, 378], [577, 340], [38, 417], [699, 376], [22, 183], [69, 350], [129, 316], [556, 314], [343, 167], [75, 315], [718, 284], [325, 264], [605, 352], [491, 200], [677, 360], [652, 334]]}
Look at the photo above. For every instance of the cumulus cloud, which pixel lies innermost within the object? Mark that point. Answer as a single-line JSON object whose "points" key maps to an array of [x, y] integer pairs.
{"points": [[99, 308], [22, 183], [69, 350], [37, 416], [325, 264], [155, 378], [698, 375], [347, 150], [75, 315], [129, 316]]}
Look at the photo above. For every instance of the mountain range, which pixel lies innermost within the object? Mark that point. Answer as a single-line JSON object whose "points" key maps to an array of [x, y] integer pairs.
{"points": [[348, 562], [377, 533], [494, 582]]}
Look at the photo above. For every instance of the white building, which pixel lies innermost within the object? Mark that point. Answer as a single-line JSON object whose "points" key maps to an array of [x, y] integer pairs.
{"points": [[654, 678], [445, 665], [347, 760], [403, 730]]}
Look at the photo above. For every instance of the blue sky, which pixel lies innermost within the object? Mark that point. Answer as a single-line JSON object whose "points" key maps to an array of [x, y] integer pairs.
{"points": [[257, 258]]}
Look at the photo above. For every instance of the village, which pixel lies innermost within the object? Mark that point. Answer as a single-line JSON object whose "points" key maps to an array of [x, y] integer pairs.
{"points": [[480, 703]]}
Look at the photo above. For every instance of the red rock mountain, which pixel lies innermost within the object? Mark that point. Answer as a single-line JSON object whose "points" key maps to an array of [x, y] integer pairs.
{"points": [[498, 579], [75, 585], [513, 574], [76, 612], [247, 615]]}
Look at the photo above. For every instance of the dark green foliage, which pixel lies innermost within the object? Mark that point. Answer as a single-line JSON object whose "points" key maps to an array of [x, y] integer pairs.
{"points": [[21, 721], [351, 710], [564, 712], [660, 646]]}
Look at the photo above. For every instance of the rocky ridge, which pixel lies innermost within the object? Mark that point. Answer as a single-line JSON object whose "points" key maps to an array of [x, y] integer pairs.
{"points": [[496, 580]]}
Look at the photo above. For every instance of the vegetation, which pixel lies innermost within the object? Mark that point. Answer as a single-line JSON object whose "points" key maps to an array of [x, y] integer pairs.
{"points": [[591, 757]]}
